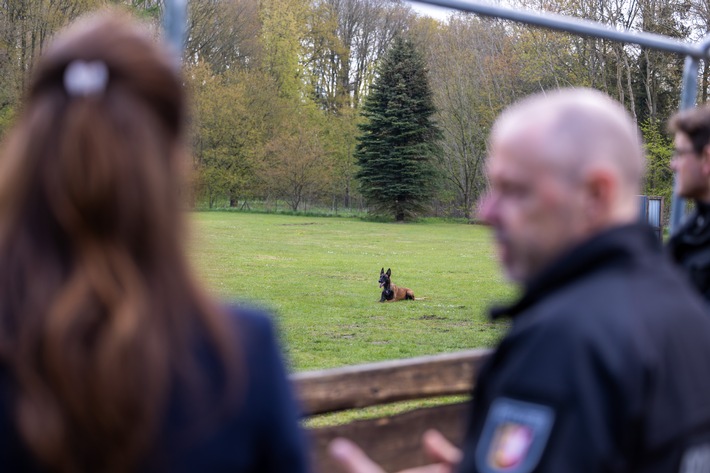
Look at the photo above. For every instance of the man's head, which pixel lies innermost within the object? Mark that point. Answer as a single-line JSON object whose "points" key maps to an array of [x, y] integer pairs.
{"points": [[691, 160], [562, 168]]}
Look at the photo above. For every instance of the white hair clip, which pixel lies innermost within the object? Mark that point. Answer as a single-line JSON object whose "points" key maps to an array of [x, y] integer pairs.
{"points": [[85, 78]]}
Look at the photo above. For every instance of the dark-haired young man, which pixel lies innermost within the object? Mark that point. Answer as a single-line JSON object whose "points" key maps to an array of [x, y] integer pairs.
{"points": [[690, 245]]}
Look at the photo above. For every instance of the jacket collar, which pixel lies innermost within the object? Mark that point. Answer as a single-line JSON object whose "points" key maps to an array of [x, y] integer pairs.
{"points": [[616, 246], [696, 230], [702, 207]]}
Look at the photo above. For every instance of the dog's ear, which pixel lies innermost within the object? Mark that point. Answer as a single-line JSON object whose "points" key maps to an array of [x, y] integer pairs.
{"points": [[382, 271], [389, 272]]}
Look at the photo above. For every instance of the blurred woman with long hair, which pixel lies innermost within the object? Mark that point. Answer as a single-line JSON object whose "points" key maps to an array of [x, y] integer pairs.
{"points": [[112, 359]]}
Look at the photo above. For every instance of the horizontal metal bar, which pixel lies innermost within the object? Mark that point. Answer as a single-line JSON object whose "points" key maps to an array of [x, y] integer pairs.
{"points": [[577, 26]]}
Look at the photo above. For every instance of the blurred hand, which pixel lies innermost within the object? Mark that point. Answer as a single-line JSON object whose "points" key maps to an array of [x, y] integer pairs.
{"points": [[441, 450], [354, 460], [351, 457]]}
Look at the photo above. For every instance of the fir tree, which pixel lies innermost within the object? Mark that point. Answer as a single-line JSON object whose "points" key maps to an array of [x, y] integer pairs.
{"points": [[398, 142]]}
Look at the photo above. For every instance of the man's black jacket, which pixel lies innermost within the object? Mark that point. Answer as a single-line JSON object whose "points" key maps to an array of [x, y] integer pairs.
{"points": [[606, 368], [690, 248]]}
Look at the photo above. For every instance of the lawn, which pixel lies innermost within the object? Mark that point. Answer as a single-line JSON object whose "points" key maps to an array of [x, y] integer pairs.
{"points": [[318, 276]]}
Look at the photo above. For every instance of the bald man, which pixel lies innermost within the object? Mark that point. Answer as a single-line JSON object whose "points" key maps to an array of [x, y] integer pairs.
{"points": [[605, 366]]}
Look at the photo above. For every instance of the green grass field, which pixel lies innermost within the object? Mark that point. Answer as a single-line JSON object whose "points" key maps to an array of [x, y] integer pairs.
{"points": [[319, 277]]}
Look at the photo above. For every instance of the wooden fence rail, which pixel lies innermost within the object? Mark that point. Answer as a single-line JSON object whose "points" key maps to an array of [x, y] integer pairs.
{"points": [[392, 441]]}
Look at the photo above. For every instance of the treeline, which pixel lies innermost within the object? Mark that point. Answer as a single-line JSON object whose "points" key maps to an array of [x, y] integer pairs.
{"points": [[278, 85]]}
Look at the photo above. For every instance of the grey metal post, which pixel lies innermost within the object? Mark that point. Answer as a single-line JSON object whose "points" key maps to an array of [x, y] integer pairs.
{"points": [[689, 92], [175, 25]]}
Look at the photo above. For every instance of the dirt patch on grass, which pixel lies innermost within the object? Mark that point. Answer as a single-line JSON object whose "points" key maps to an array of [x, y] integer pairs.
{"points": [[342, 335], [299, 224]]}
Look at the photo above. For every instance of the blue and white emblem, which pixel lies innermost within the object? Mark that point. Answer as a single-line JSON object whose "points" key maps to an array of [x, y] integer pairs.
{"points": [[696, 459], [514, 436]]}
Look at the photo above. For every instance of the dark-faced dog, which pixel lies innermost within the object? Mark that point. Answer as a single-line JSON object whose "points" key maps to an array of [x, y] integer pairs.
{"points": [[390, 292]]}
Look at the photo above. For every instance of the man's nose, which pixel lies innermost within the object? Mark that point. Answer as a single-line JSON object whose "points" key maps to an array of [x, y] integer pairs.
{"points": [[487, 208]]}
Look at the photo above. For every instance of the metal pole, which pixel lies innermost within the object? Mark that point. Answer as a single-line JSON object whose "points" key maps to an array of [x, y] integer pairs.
{"points": [[574, 25], [175, 25]]}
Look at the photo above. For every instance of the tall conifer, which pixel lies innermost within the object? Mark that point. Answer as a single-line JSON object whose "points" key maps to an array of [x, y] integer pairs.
{"points": [[398, 142]]}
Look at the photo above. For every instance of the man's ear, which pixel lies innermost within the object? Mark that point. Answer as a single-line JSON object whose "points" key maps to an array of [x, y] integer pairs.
{"points": [[705, 160], [601, 185]]}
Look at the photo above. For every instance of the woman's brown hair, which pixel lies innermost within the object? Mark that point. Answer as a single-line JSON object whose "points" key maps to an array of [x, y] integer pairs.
{"points": [[98, 309]]}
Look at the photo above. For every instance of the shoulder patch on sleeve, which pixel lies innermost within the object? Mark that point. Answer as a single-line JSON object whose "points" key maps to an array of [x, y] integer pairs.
{"points": [[514, 436], [696, 459]]}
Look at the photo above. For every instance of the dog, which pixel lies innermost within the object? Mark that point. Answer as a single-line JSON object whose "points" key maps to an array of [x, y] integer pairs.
{"points": [[390, 292]]}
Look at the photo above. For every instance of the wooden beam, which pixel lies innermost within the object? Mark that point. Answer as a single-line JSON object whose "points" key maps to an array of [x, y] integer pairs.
{"points": [[396, 380], [393, 442]]}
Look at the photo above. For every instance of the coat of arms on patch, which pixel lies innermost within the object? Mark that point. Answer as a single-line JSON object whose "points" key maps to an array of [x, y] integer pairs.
{"points": [[513, 437], [696, 459]]}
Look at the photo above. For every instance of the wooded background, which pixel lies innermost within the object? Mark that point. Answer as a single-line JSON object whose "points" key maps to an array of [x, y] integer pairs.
{"points": [[278, 85]]}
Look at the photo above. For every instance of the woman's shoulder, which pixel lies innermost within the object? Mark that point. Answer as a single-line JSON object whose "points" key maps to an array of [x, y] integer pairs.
{"points": [[248, 315], [255, 332], [252, 325]]}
